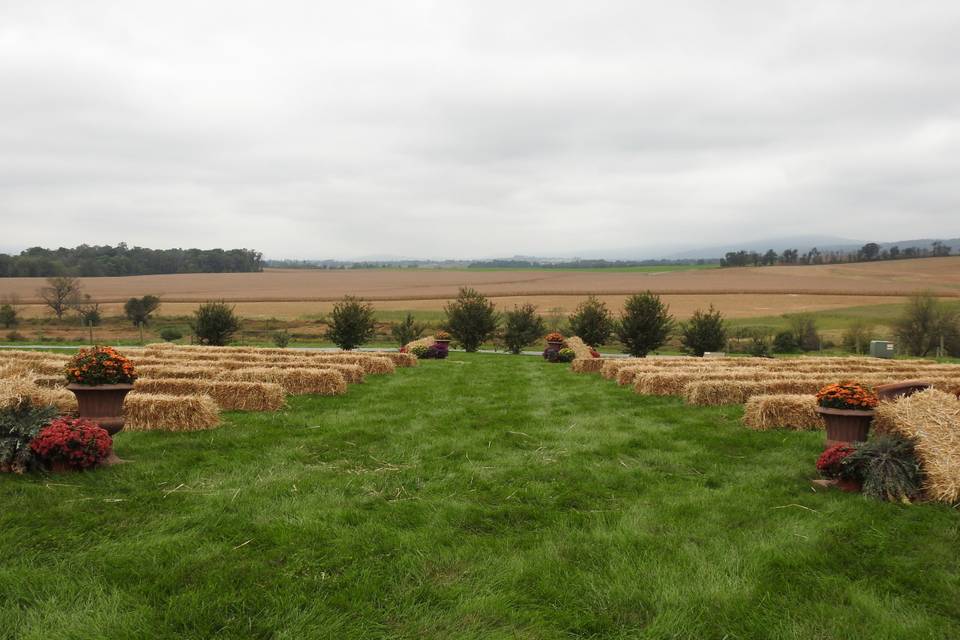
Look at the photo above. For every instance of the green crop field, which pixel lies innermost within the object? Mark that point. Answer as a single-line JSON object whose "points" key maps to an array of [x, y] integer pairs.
{"points": [[484, 496]]}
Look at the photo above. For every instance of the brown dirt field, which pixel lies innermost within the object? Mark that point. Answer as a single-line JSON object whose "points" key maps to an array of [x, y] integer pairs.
{"points": [[738, 292]]}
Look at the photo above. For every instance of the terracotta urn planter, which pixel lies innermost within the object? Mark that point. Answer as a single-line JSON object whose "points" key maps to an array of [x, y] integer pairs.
{"points": [[554, 346], [901, 389], [849, 486], [102, 403], [845, 425]]}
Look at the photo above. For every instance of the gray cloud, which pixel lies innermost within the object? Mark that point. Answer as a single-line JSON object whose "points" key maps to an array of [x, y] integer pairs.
{"points": [[464, 129]]}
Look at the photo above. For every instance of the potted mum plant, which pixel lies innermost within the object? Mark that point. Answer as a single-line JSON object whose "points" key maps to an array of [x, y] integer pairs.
{"points": [[554, 340], [834, 465], [847, 411], [101, 378], [72, 444], [441, 341]]}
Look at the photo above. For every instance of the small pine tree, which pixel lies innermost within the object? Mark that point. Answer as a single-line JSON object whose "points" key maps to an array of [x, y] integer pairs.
{"points": [[592, 322], [214, 323], [8, 316], [407, 330], [645, 324], [471, 319], [522, 326], [352, 323], [704, 332]]}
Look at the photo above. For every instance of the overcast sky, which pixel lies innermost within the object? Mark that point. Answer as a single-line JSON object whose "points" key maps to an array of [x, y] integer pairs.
{"points": [[465, 129]]}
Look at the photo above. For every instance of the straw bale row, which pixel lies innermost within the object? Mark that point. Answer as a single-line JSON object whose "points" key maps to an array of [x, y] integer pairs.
{"points": [[325, 382], [782, 411], [229, 395]]}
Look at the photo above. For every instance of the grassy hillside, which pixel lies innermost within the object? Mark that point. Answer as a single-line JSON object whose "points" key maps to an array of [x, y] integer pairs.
{"points": [[480, 497]]}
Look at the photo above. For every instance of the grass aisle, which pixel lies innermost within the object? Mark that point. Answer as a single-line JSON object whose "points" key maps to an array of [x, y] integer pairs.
{"points": [[482, 497]]}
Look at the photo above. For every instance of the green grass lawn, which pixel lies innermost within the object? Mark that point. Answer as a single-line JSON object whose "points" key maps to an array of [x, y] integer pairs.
{"points": [[481, 497]]}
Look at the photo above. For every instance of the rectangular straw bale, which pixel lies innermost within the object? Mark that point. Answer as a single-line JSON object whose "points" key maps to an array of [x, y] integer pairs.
{"points": [[23, 354], [325, 382], [587, 365], [718, 392], [612, 367], [50, 382], [352, 372], [45, 367], [782, 411], [372, 365], [14, 391], [165, 412], [626, 375], [176, 371], [228, 394], [398, 359], [931, 419]]}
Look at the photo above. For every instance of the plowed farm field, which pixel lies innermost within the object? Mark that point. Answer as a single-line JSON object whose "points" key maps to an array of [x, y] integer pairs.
{"points": [[741, 292]]}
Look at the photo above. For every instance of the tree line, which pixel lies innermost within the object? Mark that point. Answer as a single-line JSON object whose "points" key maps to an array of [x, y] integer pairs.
{"points": [[867, 253], [121, 260]]}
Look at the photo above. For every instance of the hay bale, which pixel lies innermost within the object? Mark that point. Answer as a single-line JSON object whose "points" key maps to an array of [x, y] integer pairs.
{"points": [[326, 382], [50, 382], [398, 359], [229, 395], [587, 365], [782, 411], [164, 412], [372, 365], [14, 391], [580, 348], [719, 392], [626, 375], [39, 367], [177, 371], [931, 419]]}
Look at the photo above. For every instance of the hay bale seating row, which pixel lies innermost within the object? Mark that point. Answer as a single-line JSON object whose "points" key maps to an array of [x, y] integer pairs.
{"points": [[325, 382], [352, 372], [719, 392], [396, 358], [295, 381], [167, 412], [612, 366], [229, 395], [782, 411]]}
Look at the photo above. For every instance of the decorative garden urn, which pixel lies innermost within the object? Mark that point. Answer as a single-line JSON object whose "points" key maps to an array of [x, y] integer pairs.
{"points": [[102, 403], [846, 425], [442, 345]]}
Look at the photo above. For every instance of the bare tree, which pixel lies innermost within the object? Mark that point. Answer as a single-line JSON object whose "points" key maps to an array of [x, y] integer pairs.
{"points": [[60, 294]]}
